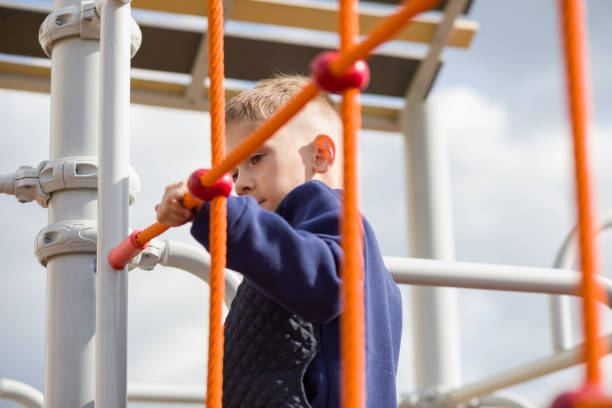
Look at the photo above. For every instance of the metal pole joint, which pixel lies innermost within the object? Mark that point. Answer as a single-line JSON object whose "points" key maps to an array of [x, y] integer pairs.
{"points": [[27, 185], [149, 257], [37, 183], [65, 237], [431, 397], [79, 20]]}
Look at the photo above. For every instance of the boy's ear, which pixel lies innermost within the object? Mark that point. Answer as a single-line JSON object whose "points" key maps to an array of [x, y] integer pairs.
{"points": [[324, 153]]}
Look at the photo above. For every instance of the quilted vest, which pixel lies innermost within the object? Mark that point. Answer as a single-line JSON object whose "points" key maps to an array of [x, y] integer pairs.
{"points": [[266, 353]]}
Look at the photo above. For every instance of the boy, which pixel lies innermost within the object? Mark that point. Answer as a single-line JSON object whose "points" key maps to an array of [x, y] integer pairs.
{"points": [[282, 331]]}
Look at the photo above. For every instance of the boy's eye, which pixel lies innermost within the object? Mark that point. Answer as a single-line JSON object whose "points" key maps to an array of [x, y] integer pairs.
{"points": [[256, 158], [235, 175]]}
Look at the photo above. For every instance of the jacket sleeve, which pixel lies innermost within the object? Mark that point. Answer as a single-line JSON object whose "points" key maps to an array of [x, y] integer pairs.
{"points": [[293, 260]]}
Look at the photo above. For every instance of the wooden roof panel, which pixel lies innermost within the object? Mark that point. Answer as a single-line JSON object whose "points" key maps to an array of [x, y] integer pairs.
{"points": [[199, 8], [23, 76], [440, 7], [173, 51], [19, 32], [390, 75], [166, 50], [170, 50]]}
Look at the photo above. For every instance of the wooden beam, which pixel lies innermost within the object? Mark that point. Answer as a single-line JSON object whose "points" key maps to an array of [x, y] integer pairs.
{"points": [[34, 78], [425, 74], [199, 69], [316, 16]]}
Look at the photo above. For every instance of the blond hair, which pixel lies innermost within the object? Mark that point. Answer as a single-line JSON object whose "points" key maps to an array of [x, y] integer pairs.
{"points": [[269, 95]]}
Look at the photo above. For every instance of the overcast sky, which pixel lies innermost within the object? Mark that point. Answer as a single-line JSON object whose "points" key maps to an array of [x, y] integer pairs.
{"points": [[500, 104]]}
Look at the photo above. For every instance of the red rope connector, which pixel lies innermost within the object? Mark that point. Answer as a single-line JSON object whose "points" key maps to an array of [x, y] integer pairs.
{"points": [[357, 76], [222, 187], [589, 396], [123, 253]]}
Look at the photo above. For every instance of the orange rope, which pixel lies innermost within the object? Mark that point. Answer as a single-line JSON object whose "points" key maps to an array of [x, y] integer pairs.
{"points": [[218, 212], [574, 43], [158, 228], [352, 319], [151, 232]]}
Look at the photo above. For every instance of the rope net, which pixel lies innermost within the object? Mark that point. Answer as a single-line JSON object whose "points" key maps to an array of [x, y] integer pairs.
{"points": [[352, 325]]}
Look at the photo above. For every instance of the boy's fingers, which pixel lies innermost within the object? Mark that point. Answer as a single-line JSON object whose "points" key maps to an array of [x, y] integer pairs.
{"points": [[177, 207], [179, 219]]}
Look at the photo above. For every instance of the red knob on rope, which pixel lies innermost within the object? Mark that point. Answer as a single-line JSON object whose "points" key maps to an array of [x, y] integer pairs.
{"points": [[222, 187], [357, 76], [123, 253], [587, 397]]}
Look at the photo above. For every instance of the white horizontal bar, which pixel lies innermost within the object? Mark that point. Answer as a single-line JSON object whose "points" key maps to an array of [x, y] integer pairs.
{"points": [[524, 373], [20, 392], [196, 261], [413, 271], [504, 400], [142, 392]]}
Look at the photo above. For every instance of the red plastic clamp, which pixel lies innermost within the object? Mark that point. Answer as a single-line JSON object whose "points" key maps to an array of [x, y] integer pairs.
{"points": [[123, 253]]}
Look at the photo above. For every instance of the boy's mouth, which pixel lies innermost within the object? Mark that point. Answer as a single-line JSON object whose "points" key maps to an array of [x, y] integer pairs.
{"points": [[261, 202]]}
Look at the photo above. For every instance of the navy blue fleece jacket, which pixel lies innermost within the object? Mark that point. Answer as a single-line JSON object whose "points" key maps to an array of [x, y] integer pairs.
{"points": [[293, 256]]}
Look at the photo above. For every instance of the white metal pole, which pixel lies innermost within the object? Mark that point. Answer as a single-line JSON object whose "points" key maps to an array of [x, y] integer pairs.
{"points": [[560, 307], [20, 392], [523, 373], [70, 304], [504, 400], [472, 275], [434, 310], [168, 393], [197, 262], [113, 187], [560, 310]]}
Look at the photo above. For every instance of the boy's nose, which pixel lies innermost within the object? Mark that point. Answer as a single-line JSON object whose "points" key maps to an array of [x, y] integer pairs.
{"points": [[244, 185]]}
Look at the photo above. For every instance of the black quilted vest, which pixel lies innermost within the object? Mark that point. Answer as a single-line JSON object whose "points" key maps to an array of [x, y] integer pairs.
{"points": [[266, 353]]}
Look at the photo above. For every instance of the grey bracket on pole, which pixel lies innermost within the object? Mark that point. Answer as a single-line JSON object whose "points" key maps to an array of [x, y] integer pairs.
{"points": [[66, 237], [37, 183], [82, 21], [80, 236], [427, 398], [27, 185]]}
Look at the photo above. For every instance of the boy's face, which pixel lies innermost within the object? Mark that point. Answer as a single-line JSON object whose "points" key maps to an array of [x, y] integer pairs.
{"points": [[283, 162]]}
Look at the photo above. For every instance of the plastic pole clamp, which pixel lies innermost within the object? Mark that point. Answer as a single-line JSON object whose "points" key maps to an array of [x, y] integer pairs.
{"points": [[357, 76], [123, 253], [222, 187]]}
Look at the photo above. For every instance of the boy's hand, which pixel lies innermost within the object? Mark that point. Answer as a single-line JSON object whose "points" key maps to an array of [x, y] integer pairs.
{"points": [[170, 211]]}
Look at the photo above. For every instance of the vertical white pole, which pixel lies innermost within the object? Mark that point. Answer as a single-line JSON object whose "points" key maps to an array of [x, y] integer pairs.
{"points": [[113, 186], [560, 307], [434, 310], [70, 327]]}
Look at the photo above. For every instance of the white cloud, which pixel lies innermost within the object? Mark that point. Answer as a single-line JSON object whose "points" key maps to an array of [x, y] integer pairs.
{"points": [[513, 204]]}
